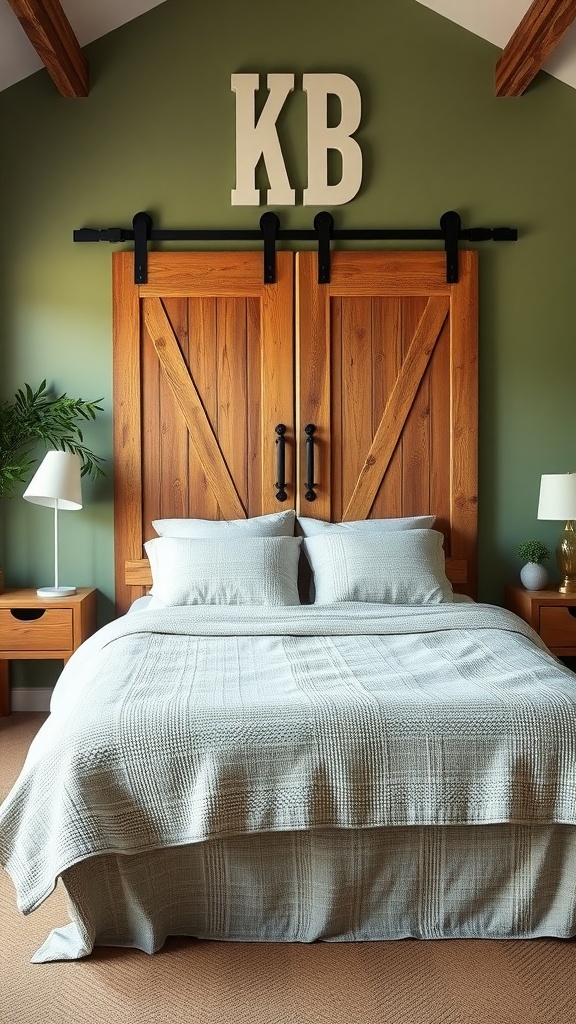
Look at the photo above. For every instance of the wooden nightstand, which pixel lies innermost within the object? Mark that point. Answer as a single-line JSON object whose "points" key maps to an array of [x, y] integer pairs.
{"points": [[551, 614], [41, 627]]}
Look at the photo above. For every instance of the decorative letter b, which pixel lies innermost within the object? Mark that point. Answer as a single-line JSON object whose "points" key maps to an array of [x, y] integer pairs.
{"points": [[321, 139]]}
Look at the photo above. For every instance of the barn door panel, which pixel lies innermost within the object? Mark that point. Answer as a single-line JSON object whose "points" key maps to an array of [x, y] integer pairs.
{"points": [[387, 374], [203, 373]]}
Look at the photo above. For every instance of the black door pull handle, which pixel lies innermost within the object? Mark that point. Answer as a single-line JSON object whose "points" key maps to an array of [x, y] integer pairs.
{"points": [[310, 493], [280, 484]]}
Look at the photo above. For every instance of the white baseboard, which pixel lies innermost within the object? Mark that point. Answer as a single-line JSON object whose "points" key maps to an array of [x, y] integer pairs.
{"points": [[31, 698]]}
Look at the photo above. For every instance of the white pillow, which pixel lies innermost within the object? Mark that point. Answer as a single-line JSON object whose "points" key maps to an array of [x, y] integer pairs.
{"points": [[192, 570], [396, 567], [277, 524], [312, 527]]}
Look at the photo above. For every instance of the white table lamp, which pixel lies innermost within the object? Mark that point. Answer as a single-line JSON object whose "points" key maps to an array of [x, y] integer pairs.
{"points": [[57, 485], [558, 501]]}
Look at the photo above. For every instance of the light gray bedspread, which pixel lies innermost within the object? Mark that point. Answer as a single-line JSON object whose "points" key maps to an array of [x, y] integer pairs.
{"points": [[175, 726]]}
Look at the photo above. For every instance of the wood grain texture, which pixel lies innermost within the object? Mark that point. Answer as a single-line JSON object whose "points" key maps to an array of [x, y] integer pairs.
{"points": [[551, 615], [175, 441], [533, 42], [313, 384], [388, 353], [51, 35], [191, 409], [398, 406], [388, 379], [414, 435], [51, 632], [464, 417], [64, 623], [127, 400], [202, 361], [276, 383], [210, 374]]}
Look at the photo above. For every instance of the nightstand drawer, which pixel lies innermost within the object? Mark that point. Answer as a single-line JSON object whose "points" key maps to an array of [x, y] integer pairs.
{"points": [[558, 626], [35, 629]]}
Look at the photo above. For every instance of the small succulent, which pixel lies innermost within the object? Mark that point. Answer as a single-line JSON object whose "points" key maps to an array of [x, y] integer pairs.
{"points": [[533, 551]]}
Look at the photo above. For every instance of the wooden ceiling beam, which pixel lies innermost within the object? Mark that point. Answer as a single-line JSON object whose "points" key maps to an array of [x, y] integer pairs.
{"points": [[537, 35], [51, 35]]}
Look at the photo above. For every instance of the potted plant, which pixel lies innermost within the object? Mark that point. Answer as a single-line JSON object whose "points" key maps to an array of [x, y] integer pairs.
{"points": [[40, 418], [533, 574]]}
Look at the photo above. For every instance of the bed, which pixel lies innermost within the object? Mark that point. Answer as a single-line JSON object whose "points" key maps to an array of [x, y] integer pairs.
{"points": [[309, 729]]}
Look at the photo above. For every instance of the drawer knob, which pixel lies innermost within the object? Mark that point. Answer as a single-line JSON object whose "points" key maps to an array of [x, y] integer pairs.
{"points": [[27, 614]]}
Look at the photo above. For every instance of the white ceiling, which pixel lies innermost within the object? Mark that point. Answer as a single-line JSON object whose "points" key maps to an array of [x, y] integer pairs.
{"points": [[89, 19], [494, 20]]}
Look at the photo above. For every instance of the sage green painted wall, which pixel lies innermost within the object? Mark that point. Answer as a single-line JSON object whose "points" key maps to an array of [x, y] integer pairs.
{"points": [[157, 133]]}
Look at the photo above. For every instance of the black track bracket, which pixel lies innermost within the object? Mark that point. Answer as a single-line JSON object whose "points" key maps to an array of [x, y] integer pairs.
{"points": [[142, 225], [450, 225], [324, 225], [269, 224]]}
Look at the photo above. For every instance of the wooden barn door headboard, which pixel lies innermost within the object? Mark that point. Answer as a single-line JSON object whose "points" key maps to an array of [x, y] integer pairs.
{"points": [[208, 360]]}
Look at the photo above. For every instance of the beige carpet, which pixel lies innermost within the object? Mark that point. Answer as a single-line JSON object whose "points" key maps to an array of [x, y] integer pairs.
{"points": [[452, 982]]}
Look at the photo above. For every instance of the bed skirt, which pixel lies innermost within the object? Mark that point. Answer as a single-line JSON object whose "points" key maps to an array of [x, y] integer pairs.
{"points": [[484, 881]]}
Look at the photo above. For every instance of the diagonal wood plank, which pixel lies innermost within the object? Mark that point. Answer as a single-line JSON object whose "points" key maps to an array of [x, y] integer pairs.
{"points": [[202, 436], [533, 42], [397, 408], [51, 35]]}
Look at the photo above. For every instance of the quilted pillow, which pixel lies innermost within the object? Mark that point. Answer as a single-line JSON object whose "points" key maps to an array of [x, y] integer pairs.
{"points": [[312, 527], [191, 570], [396, 567], [277, 524]]}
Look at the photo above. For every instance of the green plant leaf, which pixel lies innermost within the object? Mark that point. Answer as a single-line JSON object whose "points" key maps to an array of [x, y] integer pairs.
{"points": [[37, 417], [533, 551]]}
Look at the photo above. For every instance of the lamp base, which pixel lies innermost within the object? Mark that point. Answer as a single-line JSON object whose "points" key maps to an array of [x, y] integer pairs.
{"points": [[566, 558], [55, 591]]}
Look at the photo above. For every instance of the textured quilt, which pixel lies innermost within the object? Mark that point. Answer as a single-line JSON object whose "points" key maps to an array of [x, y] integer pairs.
{"points": [[175, 726]]}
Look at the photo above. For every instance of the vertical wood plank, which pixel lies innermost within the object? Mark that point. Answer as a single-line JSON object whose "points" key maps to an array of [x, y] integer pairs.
{"points": [[151, 434], [172, 429], [202, 360], [126, 427], [357, 374], [416, 433], [336, 409], [464, 432], [232, 428], [387, 360], [440, 443], [258, 445], [313, 376], [277, 381]]}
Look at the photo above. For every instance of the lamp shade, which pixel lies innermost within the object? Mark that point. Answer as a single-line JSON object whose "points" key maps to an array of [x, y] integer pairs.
{"points": [[57, 480], [557, 496]]}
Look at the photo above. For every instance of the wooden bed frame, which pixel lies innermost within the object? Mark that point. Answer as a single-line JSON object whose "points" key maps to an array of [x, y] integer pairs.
{"points": [[208, 360]]}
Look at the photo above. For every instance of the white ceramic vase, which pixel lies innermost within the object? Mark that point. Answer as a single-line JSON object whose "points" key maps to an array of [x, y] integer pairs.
{"points": [[534, 576]]}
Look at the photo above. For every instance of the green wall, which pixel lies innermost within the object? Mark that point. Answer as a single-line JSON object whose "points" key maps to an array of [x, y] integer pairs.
{"points": [[157, 133]]}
